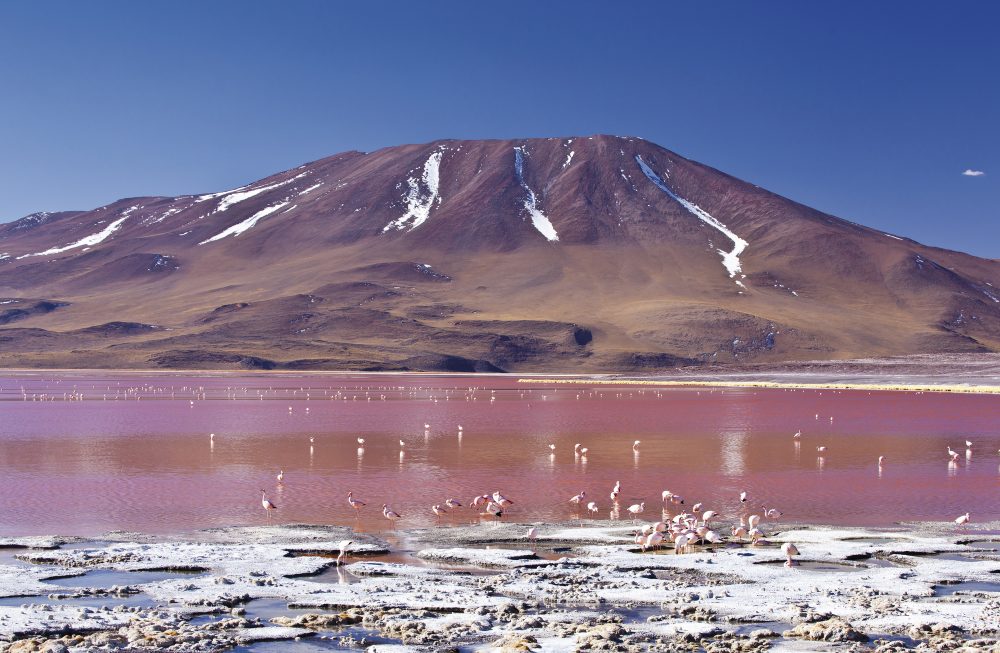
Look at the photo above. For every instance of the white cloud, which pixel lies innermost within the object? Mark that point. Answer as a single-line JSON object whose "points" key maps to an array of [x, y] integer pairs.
{"points": [[969, 172]]}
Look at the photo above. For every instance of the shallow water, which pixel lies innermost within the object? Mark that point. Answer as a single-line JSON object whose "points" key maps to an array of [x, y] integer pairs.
{"points": [[84, 454]]}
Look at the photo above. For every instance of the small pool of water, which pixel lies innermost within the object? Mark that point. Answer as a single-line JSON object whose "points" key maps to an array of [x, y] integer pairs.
{"points": [[816, 565], [106, 578], [966, 587]]}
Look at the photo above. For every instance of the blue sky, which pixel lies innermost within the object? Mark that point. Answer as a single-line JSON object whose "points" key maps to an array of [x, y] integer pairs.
{"points": [[867, 110]]}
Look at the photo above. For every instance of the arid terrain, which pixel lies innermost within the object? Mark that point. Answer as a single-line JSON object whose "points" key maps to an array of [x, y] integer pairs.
{"points": [[587, 254]]}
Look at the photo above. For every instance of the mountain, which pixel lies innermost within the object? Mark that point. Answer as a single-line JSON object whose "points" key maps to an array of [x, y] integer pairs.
{"points": [[596, 253]]}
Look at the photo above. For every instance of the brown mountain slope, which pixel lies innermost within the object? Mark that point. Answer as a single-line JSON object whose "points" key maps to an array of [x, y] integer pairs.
{"points": [[583, 254]]}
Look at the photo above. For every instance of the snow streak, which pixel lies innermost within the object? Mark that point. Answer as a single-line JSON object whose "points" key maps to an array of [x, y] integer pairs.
{"points": [[730, 259], [539, 219], [92, 239], [419, 201], [240, 227]]}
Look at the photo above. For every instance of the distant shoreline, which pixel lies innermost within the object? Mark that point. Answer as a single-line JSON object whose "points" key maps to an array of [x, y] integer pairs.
{"points": [[778, 385]]}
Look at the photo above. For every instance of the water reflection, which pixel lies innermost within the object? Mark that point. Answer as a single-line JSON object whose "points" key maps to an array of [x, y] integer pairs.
{"points": [[733, 454]]}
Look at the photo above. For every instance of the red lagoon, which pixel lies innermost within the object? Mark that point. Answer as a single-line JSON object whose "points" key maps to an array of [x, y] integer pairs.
{"points": [[87, 453]]}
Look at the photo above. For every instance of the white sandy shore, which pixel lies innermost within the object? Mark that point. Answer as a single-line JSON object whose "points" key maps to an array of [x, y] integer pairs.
{"points": [[483, 588]]}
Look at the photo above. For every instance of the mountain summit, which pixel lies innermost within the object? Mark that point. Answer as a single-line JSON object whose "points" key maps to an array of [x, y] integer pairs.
{"points": [[598, 253]]}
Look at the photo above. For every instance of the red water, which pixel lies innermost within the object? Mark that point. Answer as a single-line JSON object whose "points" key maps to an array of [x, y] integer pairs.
{"points": [[135, 452]]}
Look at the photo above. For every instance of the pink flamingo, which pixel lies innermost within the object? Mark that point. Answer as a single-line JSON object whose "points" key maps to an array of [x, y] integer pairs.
{"points": [[343, 552], [390, 514], [789, 550], [355, 503], [268, 506]]}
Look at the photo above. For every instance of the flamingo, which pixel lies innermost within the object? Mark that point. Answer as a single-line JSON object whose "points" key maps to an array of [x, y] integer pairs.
{"points": [[881, 460], [576, 447], [361, 441], [635, 445], [789, 550], [552, 447], [453, 503], [820, 449], [696, 508], [752, 521], [739, 532], [478, 501], [578, 498], [637, 508], [493, 508], [402, 444], [709, 514], [583, 451], [711, 537], [281, 475], [743, 497], [680, 543], [268, 506], [438, 509], [798, 434], [962, 519], [756, 535], [772, 513], [968, 444], [343, 552], [501, 499], [355, 503], [653, 540], [390, 514], [592, 507], [532, 534]]}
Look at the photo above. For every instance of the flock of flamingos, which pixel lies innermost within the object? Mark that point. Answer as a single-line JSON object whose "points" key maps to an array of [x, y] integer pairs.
{"points": [[683, 530]]}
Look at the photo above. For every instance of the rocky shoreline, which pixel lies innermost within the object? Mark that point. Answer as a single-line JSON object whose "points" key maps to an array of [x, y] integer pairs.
{"points": [[484, 587]]}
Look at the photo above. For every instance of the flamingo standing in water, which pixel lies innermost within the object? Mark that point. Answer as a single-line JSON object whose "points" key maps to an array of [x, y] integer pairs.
{"points": [[453, 503], [532, 534], [592, 507], [961, 520], [789, 550], [743, 497], [635, 446], [636, 508], [343, 552], [355, 503], [576, 499], [881, 460], [390, 514], [281, 475], [268, 506], [798, 434], [439, 510], [361, 442]]}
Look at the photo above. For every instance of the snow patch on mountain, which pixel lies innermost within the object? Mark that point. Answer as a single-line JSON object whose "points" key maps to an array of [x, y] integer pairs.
{"points": [[538, 219], [240, 227], [422, 194], [310, 189], [730, 259], [235, 196], [92, 239]]}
